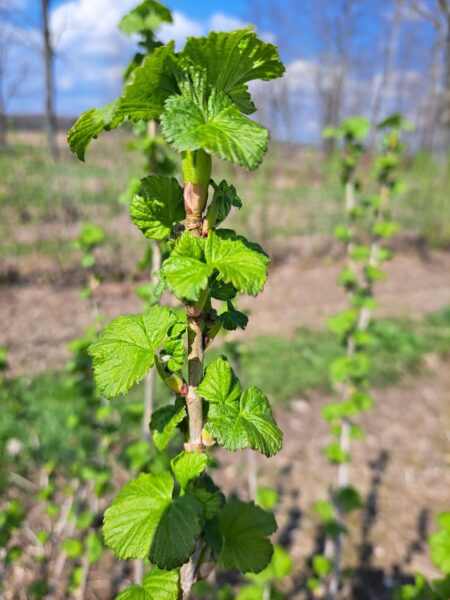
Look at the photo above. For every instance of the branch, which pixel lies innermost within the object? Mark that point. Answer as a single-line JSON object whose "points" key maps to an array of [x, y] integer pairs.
{"points": [[425, 14], [445, 8]]}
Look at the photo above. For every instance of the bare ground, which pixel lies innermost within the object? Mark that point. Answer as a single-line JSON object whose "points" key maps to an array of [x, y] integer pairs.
{"points": [[37, 320], [402, 469], [403, 466]]}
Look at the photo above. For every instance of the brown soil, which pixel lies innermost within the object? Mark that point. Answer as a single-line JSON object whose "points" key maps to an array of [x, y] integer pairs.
{"points": [[37, 321], [402, 467]]}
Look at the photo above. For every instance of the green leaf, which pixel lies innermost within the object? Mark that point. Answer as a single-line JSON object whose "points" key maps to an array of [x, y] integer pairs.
{"points": [[221, 130], [221, 290], [164, 423], [354, 368], [174, 354], [243, 100], [163, 585], [206, 492], [146, 17], [313, 584], [355, 127], [88, 261], [90, 125], [442, 588], [157, 206], [219, 384], [244, 423], [347, 279], [84, 519], [343, 323], [72, 547], [322, 565], [224, 198], [125, 350], [267, 498], [373, 273], [338, 410], [75, 578], [243, 529], [239, 262], [94, 548], [187, 466], [90, 236], [151, 84], [144, 520], [185, 270], [440, 544], [131, 521], [385, 229], [324, 510], [348, 499], [360, 253], [234, 58], [178, 530], [143, 99], [231, 319], [279, 567], [343, 234], [395, 121], [443, 520], [336, 455], [419, 591]]}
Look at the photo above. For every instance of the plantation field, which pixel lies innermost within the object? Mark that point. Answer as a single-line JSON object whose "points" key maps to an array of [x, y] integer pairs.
{"points": [[402, 468]]}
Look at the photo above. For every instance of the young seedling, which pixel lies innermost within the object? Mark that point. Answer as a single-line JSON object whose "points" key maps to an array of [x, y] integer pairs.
{"points": [[438, 589], [73, 533], [368, 223], [91, 237], [144, 21], [180, 520]]}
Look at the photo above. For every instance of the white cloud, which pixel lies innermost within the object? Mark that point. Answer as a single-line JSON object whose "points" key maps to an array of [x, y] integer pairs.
{"points": [[181, 28], [89, 47], [91, 52], [221, 22]]}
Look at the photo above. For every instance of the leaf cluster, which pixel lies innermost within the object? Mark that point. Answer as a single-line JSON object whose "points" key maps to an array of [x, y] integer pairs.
{"points": [[200, 95]]}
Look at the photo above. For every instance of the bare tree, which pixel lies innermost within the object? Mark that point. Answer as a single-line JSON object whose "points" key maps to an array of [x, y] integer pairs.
{"points": [[444, 7], [438, 15], [50, 117], [13, 72], [336, 26], [4, 47], [391, 51]]}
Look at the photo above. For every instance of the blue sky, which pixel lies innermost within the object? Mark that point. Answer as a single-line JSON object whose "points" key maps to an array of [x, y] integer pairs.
{"points": [[91, 53]]}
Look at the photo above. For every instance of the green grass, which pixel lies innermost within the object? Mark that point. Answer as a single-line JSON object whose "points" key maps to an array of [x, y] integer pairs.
{"points": [[62, 248], [294, 192], [52, 419], [39, 190], [37, 411], [286, 368]]}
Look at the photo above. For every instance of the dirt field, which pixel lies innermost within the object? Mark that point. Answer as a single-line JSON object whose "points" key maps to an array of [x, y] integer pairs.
{"points": [[403, 466], [37, 320], [402, 469]]}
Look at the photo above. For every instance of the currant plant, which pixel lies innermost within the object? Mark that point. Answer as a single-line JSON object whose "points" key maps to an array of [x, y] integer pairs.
{"points": [[265, 584], [179, 519], [438, 589], [368, 224], [72, 544], [12, 515], [144, 22]]}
